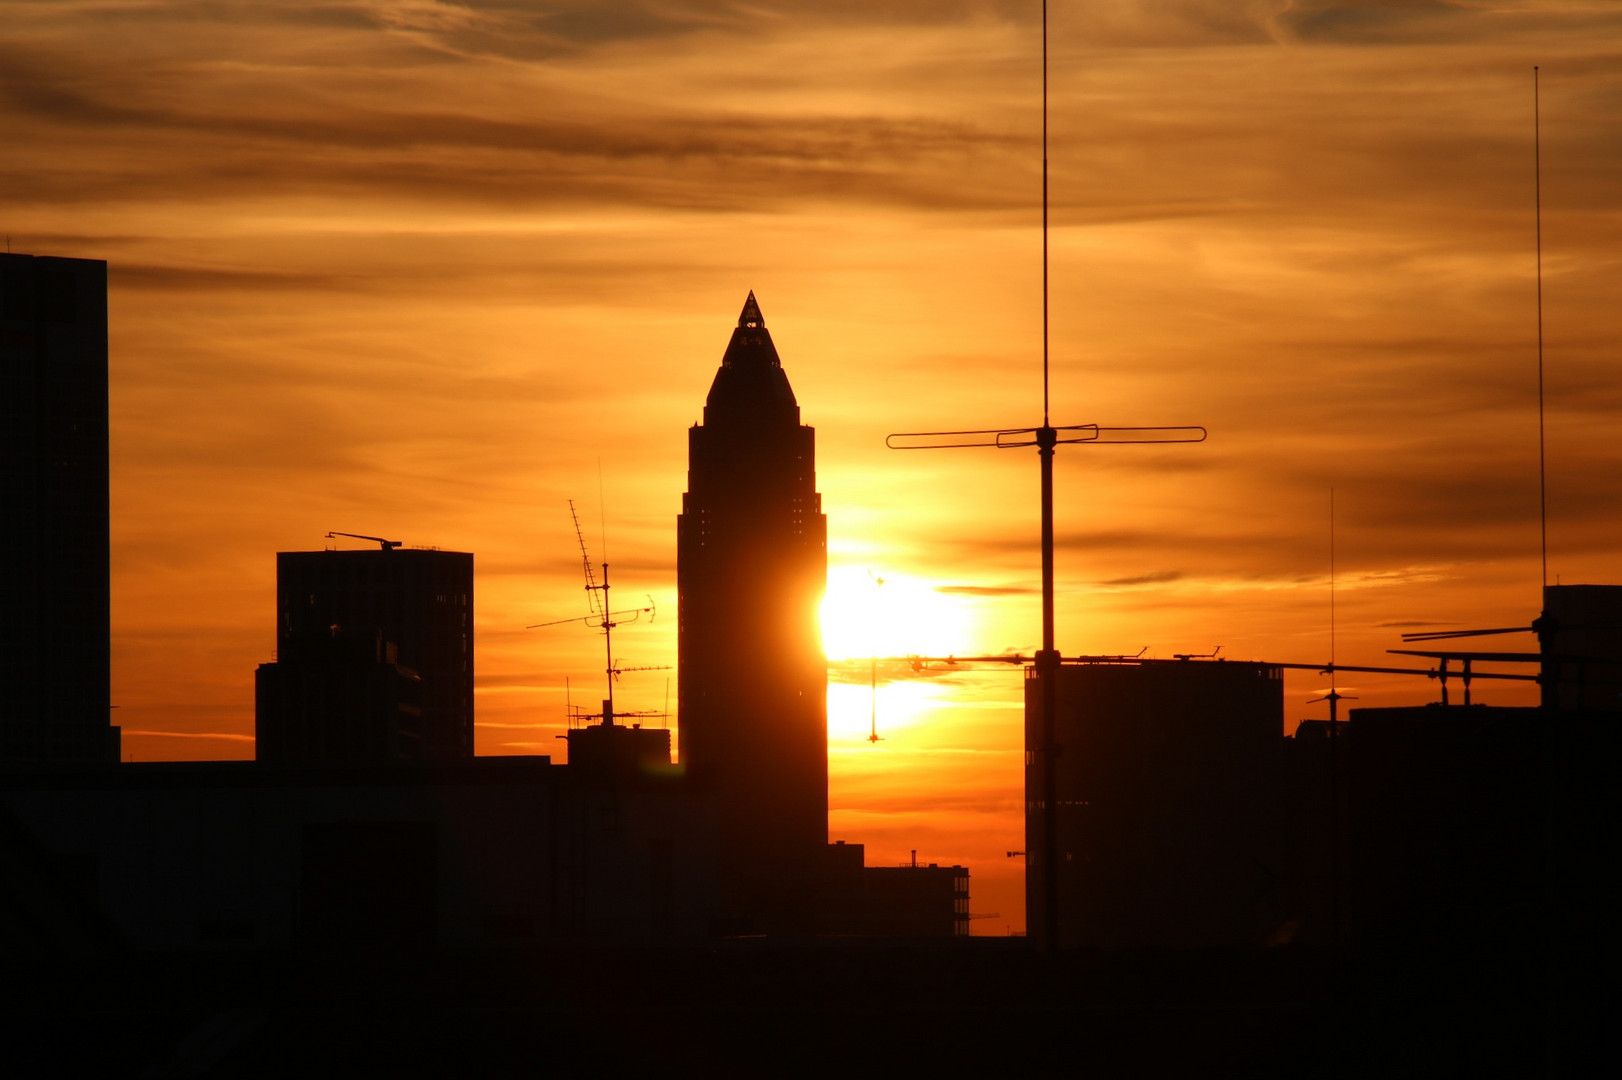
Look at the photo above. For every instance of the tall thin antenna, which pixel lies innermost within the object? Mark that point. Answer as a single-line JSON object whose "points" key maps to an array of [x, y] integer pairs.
{"points": [[1333, 697], [1046, 663], [1044, 213], [602, 512], [1537, 204]]}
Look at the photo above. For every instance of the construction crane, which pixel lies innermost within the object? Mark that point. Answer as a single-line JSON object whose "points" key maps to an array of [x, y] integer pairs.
{"points": [[388, 545]]}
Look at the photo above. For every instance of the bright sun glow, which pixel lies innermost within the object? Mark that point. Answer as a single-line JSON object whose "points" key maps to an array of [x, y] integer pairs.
{"points": [[856, 711], [901, 617]]}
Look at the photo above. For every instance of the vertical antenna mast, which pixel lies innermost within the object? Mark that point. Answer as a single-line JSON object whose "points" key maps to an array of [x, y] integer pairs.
{"points": [[1537, 214], [1045, 439], [1334, 697], [1044, 213], [601, 612], [603, 617]]}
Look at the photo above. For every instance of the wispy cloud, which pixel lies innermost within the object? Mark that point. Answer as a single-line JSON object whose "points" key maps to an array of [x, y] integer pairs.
{"points": [[987, 590], [1158, 577]]}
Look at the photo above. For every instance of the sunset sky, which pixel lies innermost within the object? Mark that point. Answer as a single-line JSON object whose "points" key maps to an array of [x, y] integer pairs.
{"points": [[428, 270]]}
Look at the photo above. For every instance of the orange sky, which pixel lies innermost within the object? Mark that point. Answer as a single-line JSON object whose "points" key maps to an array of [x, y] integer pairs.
{"points": [[426, 270]]}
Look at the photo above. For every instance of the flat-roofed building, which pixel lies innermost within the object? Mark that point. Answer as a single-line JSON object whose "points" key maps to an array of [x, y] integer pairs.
{"points": [[418, 601], [55, 652], [1168, 777]]}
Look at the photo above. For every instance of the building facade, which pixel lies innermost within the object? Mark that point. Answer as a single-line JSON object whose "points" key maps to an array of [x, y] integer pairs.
{"points": [[412, 609], [385, 857], [751, 568], [55, 652], [1580, 637], [345, 700], [1168, 775]]}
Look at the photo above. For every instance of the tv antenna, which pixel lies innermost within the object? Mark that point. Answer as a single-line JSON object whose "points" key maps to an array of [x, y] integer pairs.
{"points": [[605, 620], [1046, 438]]}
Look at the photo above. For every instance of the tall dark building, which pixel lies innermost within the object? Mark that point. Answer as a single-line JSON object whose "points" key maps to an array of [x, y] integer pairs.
{"points": [[751, 568], [346, 699], [1168, 812], [351, 621], [1581, 641], [55, 655]]}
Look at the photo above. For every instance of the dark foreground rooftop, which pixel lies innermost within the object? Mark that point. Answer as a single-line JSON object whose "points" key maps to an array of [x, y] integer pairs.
{"points": [[768, 1008]]}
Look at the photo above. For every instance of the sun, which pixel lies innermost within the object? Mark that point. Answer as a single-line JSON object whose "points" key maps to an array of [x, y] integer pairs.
{"points": [[871, 613]]}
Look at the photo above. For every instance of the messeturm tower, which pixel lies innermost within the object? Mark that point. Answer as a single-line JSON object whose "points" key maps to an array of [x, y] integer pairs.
{"points": [[751, 567]]}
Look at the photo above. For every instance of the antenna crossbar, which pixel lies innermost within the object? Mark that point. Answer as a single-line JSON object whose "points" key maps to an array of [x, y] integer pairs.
{"points": [[1014, 438], [597, 618]]}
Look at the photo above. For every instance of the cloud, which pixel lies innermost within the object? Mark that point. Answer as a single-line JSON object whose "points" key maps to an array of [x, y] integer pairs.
{"points": [[987, 590], [1158, 577], [507, 679]]}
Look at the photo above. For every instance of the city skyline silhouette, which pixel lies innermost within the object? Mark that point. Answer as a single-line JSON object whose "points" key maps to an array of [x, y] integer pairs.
{"points": [[435, 271], [1337, 280]]}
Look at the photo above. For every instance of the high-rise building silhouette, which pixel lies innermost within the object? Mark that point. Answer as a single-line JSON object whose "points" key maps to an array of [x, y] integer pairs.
{"points": [[751, 568], [55, 653], [349, 621], [344, 699], [1168, 813], [1580, 636]]}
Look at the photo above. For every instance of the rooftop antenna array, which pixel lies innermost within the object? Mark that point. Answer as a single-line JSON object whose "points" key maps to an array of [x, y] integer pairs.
{"points": [[1046, 438], [1545, 626], [605, 620], [1539, 626], [1212, 655]]}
